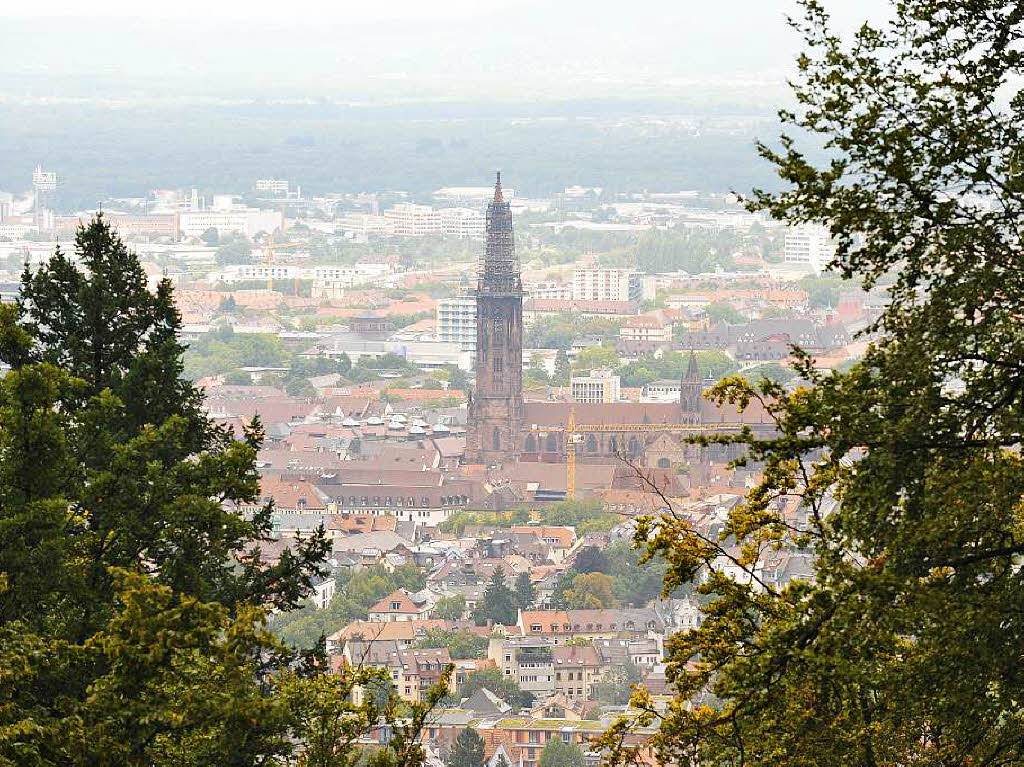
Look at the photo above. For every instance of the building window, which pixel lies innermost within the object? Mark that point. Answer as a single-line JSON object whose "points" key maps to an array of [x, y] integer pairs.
{"points": [[498, 365], [531, 444], [497, 438], [396, 605], [551, 444], [424, 501]]}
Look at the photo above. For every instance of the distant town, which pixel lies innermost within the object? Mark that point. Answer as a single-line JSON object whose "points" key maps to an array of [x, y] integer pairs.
{"points": [[476, 395]]}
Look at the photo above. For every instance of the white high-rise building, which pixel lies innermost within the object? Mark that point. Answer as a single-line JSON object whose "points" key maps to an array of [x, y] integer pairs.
{"points": [[456, 321], [606, 285], [810, 246], [411, 220], [462, 223]]}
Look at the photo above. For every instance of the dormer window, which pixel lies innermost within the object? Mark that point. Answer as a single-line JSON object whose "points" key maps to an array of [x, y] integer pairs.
{"points": [[396, 605]]}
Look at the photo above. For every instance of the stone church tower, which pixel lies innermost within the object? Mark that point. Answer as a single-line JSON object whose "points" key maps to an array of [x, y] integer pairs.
{"points": [[495, 424], [690, 391]]}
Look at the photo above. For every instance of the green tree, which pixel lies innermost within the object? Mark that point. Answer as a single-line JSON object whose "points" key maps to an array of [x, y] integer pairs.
{"points": [[492, 679], [451, 608], [558, 753], [132, 601], [562, 585], [596, 357], [233, 249], [616, 687], [210, 236], [590, 559], [772, 370], [591, 591], [462, 643], [467, 751], [720, 312], [524, 591], [562, 370], [238, 378], [903, 649], [499, 602]]}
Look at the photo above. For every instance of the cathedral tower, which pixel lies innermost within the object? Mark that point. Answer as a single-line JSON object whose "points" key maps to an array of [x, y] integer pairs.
{"points": [[690, 393], [496, 411]]}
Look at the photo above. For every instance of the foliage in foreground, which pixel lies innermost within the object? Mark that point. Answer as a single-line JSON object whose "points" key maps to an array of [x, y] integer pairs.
{"points": [[906, 649], [132, 599]]}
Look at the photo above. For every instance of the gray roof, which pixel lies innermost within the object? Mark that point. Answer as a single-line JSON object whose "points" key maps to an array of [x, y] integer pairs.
{"points": [[382, 540], [485, 702]]}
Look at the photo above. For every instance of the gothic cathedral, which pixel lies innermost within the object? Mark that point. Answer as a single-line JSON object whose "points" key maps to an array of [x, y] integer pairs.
{"points": [[496, 410]]}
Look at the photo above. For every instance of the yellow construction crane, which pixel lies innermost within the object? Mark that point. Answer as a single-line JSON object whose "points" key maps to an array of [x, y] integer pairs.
{"points": [[269, 246], [574, 436]]}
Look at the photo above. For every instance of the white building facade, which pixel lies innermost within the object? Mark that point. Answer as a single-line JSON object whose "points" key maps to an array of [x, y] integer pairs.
{"points": [[463, 223], [607, 285], [409, 220], [809, 246], [600, 387], [456, 321], [248, 221]]}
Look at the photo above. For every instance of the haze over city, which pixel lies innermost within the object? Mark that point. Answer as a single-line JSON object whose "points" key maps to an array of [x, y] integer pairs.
{"points": [[511, 384]]}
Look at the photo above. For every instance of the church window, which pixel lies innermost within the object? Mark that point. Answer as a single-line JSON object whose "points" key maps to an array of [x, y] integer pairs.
{"points": [[497, 438], [591, 443], [498, 365], [551, 444], [531, 443], [664, 463]]}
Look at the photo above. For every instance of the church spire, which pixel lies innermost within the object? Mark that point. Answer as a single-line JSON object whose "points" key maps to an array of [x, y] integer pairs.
{"points": [[499, 268], [692, 371]]}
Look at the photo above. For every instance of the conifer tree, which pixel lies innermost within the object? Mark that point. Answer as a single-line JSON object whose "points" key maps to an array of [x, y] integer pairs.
{"points": [[132, 592], [468, 750], [499, 602], [524, 591]]}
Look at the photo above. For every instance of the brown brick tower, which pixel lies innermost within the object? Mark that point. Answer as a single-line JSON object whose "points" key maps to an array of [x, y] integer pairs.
{"points": [[496, 411]]}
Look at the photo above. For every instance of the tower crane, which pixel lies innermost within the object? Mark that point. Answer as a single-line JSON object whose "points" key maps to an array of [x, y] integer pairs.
{"points": [[269, 246], [574, 435]]}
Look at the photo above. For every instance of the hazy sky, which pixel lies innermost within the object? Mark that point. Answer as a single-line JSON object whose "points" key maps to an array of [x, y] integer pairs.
{"points": [[702, 12], [453, 48]]}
